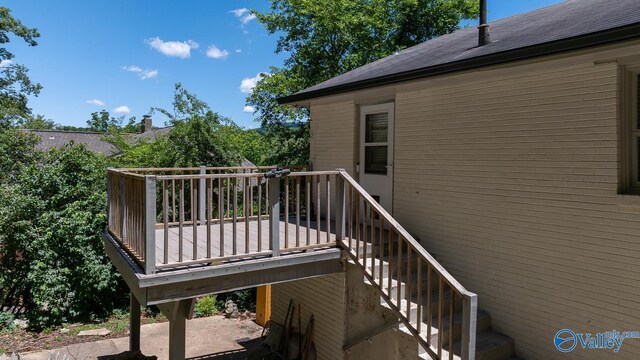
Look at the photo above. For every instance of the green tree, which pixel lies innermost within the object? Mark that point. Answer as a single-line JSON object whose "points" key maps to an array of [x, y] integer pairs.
{"points": [[52, 261], [102, 121], [325, 38], [15, 85], [37, 122]]}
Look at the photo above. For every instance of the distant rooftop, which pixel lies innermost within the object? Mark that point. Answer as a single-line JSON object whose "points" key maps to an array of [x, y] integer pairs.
{"points": [[570, 25], [94, 141]]}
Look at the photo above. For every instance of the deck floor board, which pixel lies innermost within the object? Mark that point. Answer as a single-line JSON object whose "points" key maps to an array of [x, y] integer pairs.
{"points": [[241, 238]]}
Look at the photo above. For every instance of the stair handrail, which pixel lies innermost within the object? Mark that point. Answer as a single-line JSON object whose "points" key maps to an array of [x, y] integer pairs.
{"points": [[469, 298]]}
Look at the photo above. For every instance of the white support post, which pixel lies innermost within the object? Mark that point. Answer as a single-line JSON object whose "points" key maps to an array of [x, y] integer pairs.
{"points": [[134, 323], [469, 319], [340, 206], [150, 225], [203, 195], [274, 215]]}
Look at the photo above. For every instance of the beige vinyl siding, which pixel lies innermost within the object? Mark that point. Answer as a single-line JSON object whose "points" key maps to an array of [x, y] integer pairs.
{"points": [[333, 136], [333, 132], [510, 179], [324, 297]]}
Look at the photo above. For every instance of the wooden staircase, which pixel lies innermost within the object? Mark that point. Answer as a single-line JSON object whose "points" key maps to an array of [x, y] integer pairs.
{"points": [[490, 345], [433, 307]]}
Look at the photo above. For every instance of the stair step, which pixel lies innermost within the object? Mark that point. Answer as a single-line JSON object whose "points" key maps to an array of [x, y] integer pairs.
{"points": [[490, 345], [483, 323]]}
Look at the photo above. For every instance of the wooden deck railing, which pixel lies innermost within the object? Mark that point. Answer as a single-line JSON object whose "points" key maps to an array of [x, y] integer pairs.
{"points": [[168, 218], [390, 257]]}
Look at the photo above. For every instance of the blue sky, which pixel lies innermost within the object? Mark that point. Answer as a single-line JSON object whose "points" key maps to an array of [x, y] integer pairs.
{"points": [[126, 56]]}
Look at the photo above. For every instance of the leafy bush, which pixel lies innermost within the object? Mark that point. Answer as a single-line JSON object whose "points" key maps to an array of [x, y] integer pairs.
{"points": [[6, 322], [52, 261], [206, 306], [245, 299]]}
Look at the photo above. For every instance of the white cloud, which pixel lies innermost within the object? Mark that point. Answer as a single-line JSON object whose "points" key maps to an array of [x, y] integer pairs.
{"points": [[122, 110], [244, 15], [181, 49], [239, 12], [215, 53], [5, 63], [143, 74], [238, 51], [247, 84], [249, 109], [95, 102]]}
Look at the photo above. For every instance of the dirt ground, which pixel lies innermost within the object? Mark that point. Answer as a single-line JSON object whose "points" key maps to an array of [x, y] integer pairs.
{"points": [[214, 338]]}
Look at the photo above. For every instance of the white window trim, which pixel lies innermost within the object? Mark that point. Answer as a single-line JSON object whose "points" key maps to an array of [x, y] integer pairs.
{"points": [[630, 130]]}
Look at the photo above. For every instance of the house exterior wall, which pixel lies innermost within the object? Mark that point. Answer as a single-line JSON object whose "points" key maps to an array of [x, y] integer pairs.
{"points": [[324, 297], [509, 176], [333, 129], [511, 182]]}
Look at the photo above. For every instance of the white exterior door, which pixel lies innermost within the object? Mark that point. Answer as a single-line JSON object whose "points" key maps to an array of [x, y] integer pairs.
{"points": [[376, 152]]}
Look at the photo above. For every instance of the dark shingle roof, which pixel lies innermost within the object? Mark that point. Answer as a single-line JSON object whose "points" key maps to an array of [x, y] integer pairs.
{"points": [[94, 141], [55, 138], [569, 25]]}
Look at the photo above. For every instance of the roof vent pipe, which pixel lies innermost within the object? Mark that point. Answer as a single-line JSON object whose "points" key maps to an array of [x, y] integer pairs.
{"points": [[483, 30]]}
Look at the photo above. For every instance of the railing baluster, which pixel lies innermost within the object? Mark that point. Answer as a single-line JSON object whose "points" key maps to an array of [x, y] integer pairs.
{"points": [[173, 200], [357, 225], [364, 235], [429, 295], [399, 275], [245, 196], [381, 252], [452, 300], [259, 213], [209, 213], [373, 243], [308, 209], [181, 221], [235, 216], [350, 217], [328, 214], [298, 211], [317, 186], [194, 217], [165, 220], [221, 212], [286, 212], [440, 313], [419, 310], [390, 266], [408, 287]]}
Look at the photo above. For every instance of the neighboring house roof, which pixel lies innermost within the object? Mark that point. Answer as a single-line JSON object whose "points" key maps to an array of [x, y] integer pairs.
{"points": [[570, 25], [152, 134], [92, 140]]}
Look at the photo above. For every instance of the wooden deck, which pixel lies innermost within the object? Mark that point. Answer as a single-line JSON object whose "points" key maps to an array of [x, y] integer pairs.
{"points": [[245, 244]]}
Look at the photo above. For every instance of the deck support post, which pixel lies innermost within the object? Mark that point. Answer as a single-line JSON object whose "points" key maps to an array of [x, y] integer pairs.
{"points": [[134, 323], [340, 207], [274, 215], [203, 195], [177, 313], [150, 225]]}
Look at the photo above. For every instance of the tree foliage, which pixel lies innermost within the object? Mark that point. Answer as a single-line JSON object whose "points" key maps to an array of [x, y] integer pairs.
{"points": [[52, 216], [15, 85], [325, 38], [102, 121]]}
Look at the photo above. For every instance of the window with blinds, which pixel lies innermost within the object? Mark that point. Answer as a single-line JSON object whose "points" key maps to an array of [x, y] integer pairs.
{"points": [[376, 143]]}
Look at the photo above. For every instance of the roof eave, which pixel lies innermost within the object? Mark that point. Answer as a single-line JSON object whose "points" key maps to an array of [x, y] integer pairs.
{"points": [[600, 38]]}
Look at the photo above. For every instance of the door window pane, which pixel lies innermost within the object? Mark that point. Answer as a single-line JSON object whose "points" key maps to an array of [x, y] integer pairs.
{"points": [[376, 127], [375, 160]]}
